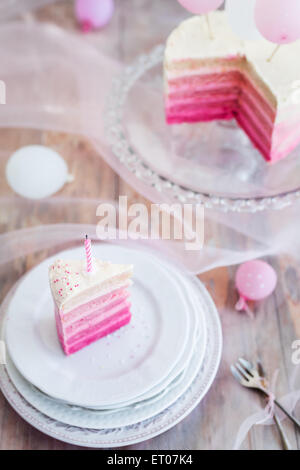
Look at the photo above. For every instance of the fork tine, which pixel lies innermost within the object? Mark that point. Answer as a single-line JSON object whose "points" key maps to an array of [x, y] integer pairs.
{"points": [[236, 374], [243, 371], [246, 365]]}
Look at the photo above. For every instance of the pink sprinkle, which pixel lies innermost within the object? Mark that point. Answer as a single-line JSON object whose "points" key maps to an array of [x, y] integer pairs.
{"points": [[68, 283]]}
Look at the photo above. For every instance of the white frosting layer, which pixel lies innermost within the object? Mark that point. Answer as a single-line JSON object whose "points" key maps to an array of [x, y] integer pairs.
{"points": [[191, 40], [72, 285]]}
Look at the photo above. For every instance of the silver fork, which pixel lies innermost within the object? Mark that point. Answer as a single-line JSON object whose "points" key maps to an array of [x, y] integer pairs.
{"points": [[248, 376]]}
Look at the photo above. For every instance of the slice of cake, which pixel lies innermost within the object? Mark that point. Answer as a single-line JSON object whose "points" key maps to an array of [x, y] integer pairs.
{"points": [[226, 77], [89, 305]]}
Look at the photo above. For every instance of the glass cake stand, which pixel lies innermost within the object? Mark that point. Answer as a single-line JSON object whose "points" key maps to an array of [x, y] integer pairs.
{"points": [[212, 163]]}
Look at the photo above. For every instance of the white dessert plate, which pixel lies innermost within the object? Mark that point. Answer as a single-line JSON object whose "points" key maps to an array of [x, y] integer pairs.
{"points": [[116, 368], [166, 394], [128, 435], [197, 328], [103, 419]]}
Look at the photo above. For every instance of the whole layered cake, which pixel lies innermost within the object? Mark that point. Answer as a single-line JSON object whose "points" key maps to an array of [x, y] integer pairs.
{"points": [[219, 76]]}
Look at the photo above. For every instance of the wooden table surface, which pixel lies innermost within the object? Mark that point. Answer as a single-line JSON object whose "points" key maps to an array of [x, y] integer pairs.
{"points": [[214, 423]]}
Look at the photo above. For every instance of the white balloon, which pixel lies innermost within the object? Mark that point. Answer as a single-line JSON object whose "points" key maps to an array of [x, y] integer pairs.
{"points": [[240, 15], [36, 171]]}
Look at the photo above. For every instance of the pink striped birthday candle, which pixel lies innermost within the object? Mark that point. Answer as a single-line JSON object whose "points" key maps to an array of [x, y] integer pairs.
{"points": [[88, 252]]}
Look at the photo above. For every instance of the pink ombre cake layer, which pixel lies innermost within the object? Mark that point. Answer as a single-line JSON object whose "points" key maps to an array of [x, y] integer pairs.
{"points": [[94, 304], [104, 328], [221, 76], [232, 95], [93, 320]]}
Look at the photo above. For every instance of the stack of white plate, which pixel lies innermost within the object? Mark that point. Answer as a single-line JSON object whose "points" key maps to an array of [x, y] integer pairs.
{"points": [[128, 386]]}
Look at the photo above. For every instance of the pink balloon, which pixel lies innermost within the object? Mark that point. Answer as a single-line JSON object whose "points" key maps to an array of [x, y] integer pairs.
{"points": [[93, 14], [255, 280], [278, 20], [201, 7]]}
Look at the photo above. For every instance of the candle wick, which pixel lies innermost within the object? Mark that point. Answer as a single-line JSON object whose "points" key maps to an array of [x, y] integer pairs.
{"points": [[86, 237]]}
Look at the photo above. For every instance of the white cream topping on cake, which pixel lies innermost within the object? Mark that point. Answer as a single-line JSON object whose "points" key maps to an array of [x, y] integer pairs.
{"points": [[191, 40], [72, 285]]}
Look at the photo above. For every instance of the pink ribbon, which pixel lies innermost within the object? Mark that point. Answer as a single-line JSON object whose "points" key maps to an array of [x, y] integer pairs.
{"points": [[265, 417], [242, 305]]}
